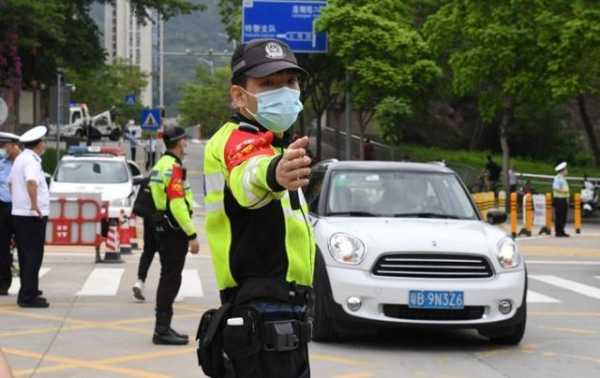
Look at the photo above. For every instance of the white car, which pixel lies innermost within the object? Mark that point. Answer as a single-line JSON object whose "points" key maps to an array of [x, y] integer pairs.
{"points": [[103, 170], [403, 244]]}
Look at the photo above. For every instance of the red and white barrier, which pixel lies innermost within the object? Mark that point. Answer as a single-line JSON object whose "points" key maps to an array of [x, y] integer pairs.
{"points": [[124, 234], [112, 253]]}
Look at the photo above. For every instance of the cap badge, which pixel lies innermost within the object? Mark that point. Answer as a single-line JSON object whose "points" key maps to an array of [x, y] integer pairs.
{"points": [[274, 50]]}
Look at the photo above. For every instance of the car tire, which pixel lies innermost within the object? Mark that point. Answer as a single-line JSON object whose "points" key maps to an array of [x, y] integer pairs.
{"points": [[325, 326]]}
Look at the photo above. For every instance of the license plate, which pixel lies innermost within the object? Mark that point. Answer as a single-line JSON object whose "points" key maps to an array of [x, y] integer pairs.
{"points": [[427, 299]]}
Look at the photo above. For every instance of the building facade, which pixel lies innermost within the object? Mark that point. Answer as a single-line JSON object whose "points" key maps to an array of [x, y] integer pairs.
{"points": [[127, 39]]}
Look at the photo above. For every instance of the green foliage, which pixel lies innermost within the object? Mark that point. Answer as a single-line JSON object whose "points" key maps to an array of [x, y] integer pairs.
{"points": [[377, 43], [206, 101], [60, 33], [231, 16], [105, 88], [492, 51], [389, 115], [49, 160]]}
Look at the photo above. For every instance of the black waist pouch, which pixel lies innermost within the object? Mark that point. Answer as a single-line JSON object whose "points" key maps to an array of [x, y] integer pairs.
{"points": [[210, 341]]}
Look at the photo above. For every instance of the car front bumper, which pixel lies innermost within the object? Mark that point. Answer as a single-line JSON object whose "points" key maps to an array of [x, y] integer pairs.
{"points": [[375, 292]]}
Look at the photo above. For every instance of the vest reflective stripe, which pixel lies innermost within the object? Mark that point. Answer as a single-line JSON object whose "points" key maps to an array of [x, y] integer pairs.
{"points": [[214, 182], [215, 206]]}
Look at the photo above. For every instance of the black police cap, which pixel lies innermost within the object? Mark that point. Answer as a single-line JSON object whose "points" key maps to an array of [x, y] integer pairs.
{"points": [[173, 134], [263, 57]]}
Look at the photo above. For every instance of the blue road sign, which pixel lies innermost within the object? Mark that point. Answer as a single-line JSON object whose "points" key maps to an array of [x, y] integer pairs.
{"points": [[130, 99], [292, 21], [151, 119]]}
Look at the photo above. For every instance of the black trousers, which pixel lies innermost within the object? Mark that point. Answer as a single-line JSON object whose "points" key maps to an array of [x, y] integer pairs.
{"points": [[6, 232], [173, 247], [30, 234], [150, 249], [561, 208]]}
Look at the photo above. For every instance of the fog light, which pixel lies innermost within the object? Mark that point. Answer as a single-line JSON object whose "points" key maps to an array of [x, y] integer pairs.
{"points": [[505, 306], [353, 303]]}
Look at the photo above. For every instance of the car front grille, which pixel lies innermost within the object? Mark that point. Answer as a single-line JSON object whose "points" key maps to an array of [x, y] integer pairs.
{"points": [[425, 265], [407, 313]]}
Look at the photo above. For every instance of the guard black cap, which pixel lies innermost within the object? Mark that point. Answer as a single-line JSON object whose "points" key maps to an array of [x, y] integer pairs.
{"points": [[263, 57], [173, 134]]}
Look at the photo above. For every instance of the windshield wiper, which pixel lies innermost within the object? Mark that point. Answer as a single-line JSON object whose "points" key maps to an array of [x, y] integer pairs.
{"points": [[353, 214], [427, 215]]}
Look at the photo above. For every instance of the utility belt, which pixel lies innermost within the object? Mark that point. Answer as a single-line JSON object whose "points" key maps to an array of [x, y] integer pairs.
{"points": [[249, 335]]}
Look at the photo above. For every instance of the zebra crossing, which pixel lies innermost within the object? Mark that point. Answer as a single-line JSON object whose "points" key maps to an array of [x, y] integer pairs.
{"points": [[106, 282]]}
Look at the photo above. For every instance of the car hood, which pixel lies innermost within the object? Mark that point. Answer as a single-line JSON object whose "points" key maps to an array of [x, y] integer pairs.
{"points": [[109, 192], [382, 235]]}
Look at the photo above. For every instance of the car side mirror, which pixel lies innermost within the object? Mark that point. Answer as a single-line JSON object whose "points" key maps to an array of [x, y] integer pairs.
{"points": [[138, 180], [496, 217]]}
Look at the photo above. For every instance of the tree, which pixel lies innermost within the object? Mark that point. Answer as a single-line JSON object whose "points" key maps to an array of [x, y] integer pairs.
{"points": [[389, 60], [492, 52], [206, 102], [105, 88], [571, 35]]}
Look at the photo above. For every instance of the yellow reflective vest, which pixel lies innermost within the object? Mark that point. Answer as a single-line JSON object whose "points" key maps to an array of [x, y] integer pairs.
{"points": [[252, 230]]}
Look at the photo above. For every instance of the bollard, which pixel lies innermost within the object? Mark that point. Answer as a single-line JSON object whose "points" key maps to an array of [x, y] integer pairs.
{"points": [[547, 229], [513, 214], [526, 230], [124, 235], [577, 213], [112, 254]]}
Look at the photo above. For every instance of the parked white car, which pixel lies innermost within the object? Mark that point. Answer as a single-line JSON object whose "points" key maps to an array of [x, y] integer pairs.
{"points": [[103, 170], [403, 244]]}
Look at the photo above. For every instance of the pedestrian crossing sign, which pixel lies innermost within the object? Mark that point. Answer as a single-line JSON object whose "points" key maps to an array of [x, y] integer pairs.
{"points": [[151, 119]]}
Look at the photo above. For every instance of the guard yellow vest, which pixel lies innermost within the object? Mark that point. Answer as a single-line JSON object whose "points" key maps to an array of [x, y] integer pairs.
{"points": [[252, 229]]}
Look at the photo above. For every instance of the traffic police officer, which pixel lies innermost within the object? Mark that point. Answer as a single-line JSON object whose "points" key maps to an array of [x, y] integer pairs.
{"points": [[173, 199], [257, 226], [30, 208], [9, 150], [560, 188]]}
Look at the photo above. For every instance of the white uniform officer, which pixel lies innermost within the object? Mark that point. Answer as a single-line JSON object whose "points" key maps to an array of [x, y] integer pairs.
{"points": [[30, 208], [9, 150], [561, 193]]}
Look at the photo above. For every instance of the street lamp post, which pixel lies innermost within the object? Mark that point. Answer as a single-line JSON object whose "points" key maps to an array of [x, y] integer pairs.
{"points": [[59, 79]]}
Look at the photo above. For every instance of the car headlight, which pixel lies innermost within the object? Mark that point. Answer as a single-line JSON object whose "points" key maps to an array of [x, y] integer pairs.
{"points": [[346, 249], [508, 254]]}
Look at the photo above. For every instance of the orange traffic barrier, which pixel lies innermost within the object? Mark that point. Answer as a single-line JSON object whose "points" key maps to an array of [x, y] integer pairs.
{"points": [[547, 229], [513, 214], [526, 230], [577, 213]]}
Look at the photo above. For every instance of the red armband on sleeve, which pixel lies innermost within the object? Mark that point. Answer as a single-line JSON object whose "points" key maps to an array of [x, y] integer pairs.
{"points": [[243, 145], [175, 188]]}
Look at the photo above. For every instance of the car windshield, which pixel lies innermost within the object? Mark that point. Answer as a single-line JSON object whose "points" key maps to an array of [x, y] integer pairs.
{"points": [[92, 172], [398, 194]]}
